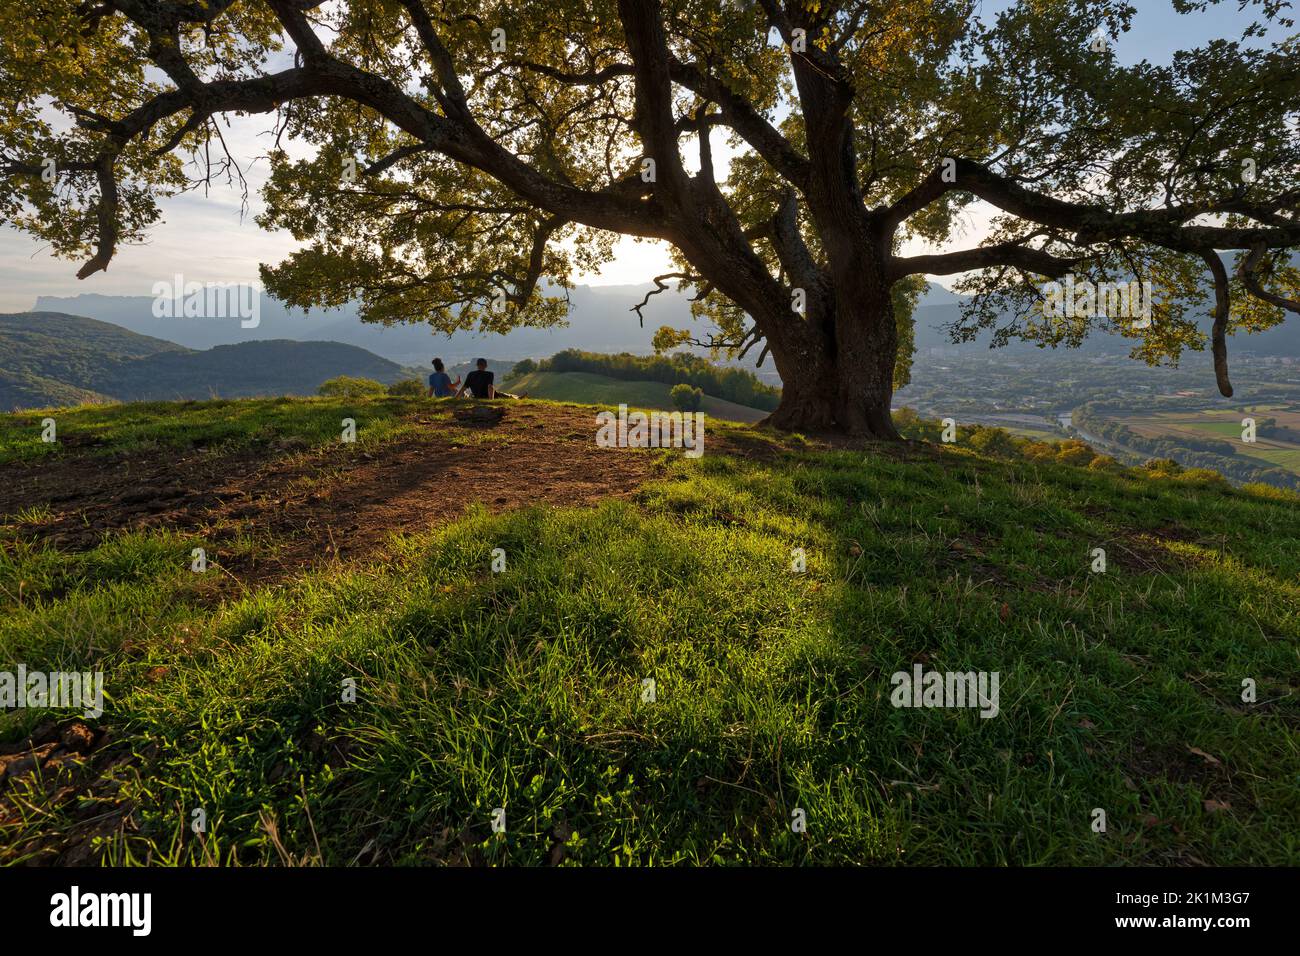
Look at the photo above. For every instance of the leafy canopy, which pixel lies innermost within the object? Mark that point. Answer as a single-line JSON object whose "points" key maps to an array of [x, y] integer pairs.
{"points": [[460, 162]]}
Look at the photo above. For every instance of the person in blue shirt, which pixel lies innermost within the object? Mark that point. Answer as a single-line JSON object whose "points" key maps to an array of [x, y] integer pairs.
{"points": [[440, 383]]}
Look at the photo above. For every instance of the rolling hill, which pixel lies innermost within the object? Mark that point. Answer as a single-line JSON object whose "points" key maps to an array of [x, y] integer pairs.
{"points": [[51, 359], [601, 320], [587, 388], [369, 563]]}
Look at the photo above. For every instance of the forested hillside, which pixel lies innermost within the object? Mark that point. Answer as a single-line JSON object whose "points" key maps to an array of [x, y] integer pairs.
{"points": [[50, 359]]}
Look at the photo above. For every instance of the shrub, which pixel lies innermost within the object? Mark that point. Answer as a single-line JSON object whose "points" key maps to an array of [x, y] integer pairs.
{"points": [[524, 367], [1040, 451], [1257, 489], [905, 417], [1103, 463], [1163, 466], [994, 441], [348, 386], [1206, 476], [686, 398], [407, 387], [1074, 452]]}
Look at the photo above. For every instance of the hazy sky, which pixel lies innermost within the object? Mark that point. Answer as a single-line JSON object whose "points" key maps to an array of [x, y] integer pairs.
{"points": [[205, 238]]}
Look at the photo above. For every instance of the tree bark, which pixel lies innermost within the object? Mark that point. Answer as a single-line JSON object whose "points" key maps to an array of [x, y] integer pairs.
{"points": [[842, 380]]}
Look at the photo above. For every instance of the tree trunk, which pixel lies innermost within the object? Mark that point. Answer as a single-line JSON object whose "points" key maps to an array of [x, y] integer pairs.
{"points": [[843, 381]]}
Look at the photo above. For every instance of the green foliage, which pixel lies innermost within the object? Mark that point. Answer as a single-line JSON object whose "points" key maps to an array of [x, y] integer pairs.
{"points": [[438, 181], [1071, 451], [347, 386], [1074, 452], [406, 386], [685, 398], [1163, 466], [992, 441], [1260, 490], [904, 295], [523, 367]]}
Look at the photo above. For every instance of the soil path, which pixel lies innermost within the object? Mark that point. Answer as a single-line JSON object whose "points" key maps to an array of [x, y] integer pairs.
{"points": [[338, 501]]}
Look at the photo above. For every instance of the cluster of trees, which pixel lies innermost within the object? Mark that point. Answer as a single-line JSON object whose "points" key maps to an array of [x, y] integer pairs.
{"points": [[1188, 451], [732, 384]]}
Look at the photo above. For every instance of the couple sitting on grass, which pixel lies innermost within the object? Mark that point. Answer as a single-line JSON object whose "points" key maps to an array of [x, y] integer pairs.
{"points": [[478, 383]]}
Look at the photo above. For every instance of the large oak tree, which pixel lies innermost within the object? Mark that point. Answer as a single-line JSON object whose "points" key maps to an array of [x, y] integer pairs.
{"points": [[498, 148]]}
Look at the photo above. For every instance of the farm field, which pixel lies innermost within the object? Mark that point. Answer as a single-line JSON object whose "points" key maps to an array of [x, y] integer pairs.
{"points": [[1225, 424]]}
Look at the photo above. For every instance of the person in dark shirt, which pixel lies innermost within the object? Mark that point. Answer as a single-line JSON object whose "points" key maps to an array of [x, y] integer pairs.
{"points": [[479, 383], [440, 383]]}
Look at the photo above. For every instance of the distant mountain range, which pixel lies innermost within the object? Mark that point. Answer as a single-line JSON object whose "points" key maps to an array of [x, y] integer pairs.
{"points": [[49, 358], [600, 320]]}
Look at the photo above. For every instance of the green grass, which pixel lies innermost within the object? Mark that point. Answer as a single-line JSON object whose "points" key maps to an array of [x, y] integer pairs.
{"points": [[523, 690], [1283, 456], [221, 424], [1038, 434], [589, 389]]}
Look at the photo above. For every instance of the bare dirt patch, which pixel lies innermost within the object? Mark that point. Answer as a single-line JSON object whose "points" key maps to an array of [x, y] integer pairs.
{"points": [[69, 772], [337, 501], [1143, 553]]}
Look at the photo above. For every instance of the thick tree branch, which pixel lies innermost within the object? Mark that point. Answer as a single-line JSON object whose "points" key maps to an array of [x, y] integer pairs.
{"points": [[648, 47], [1090, 223], [736, 112], [451, 94], [107, 214], [1014, 254], [790, 248], [536, 259], [1218, 335]]}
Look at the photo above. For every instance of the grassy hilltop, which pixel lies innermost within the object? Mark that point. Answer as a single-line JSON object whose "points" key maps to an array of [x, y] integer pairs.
{"points": [[523, 689]]}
